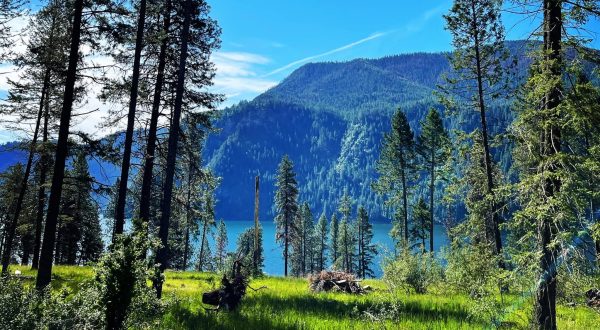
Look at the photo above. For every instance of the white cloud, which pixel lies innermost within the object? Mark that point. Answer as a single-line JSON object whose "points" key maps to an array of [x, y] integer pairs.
{"points": [[327, 53], [237, 76]]}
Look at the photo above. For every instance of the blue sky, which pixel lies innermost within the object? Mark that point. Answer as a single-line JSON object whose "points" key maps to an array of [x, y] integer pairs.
{"points": [[265, 40]]}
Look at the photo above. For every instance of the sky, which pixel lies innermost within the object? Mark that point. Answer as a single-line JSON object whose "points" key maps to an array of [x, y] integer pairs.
{"points": [[267, 39], [263, 41]]}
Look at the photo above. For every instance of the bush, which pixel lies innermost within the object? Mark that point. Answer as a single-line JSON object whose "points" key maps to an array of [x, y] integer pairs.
{"points": [[412, 272], [117, 297], [473, 269]]}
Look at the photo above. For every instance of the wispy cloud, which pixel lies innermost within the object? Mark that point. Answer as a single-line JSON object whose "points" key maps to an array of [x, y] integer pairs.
{"points": [[237, 75], [333, 51]]}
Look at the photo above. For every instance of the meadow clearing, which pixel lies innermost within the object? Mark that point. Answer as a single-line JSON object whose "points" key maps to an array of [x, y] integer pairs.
{"points": [[286, 303]]}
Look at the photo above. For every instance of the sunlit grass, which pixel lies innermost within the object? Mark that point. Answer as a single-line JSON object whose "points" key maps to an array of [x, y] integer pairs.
{"points": [[286, 303]]}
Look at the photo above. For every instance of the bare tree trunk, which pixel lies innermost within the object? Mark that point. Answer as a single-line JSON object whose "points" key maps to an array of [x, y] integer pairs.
{"points": [[492, 222], [256, 247], [285, 248], [431, 196], [405, 206], [12, 226], [41, 196], [45, 265], [162, 253], [151, 143], [545, 300], [122, 194], [188, 220]]}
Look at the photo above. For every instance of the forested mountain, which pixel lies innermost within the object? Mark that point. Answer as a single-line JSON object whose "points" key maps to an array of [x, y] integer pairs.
{"points": [[330, 118]]}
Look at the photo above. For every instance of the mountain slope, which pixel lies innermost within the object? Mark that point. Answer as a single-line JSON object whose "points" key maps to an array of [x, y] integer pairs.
{"points": [[330, 119]]}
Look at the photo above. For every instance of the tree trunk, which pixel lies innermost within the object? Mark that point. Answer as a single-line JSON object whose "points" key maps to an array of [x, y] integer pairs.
{"points": [[162, 253], [188, 216], [256, 247], [201, 261], [405, 206], [431, 195], [135, 78], [492, 225], [12, 226], [545, 300], [45, 265], [151, 143], [285, 247], [41, 196]]}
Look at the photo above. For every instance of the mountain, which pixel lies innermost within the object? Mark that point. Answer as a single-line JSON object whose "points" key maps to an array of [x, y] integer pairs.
{"points": [[330, 119]]}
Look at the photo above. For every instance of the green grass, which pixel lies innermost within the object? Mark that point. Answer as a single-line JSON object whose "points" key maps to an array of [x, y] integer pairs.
{"points": [[286, 303]]}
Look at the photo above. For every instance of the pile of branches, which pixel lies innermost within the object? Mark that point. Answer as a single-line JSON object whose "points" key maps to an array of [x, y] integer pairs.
{"points": [[593, 296], [337, 282]]}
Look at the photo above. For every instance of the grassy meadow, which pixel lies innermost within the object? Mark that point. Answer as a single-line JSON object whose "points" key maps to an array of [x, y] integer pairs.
{"points": [[286, 303]]}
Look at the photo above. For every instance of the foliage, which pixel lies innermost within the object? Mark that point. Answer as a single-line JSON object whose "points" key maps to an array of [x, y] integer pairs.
{"points": [[286, 202], [397, 167], [412, 272]]}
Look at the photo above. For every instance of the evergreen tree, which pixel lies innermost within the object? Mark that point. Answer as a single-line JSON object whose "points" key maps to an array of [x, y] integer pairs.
{"points": [[245, 251], [320, 240], [547, 143], [286, 203], [10, 183], [302, 254], [346, 236], [366, 248], [198, 38], [478, 39], [396, 167], [420, 228], [135, 79], [207, 223], [95, 15], [79, 237], [433, 146], [333, 238], [221, 246]]}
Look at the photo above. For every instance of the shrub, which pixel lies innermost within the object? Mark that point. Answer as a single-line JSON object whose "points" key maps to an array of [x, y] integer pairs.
{"points": [[473, 269], [117, 297], [412, 272]]}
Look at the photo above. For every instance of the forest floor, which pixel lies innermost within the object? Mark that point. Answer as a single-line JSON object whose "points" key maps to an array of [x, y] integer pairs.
{"points": [[287, 303]]}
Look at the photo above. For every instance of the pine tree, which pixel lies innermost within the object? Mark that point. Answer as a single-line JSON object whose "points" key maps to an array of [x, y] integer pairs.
{"points": [[135, 78], [199, 36], [286, 203], [433, 145], [346, 236], [547, 139], [207, 223], [333, 238], [320, 240], [10, 183], [420, 228], [302, 253], [28, 98], [366, 248], [221, 246], [245, 251], [478, 39], [396, 167]]}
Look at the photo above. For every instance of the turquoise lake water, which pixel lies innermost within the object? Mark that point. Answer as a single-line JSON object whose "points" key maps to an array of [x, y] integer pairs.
{"points": [[274, 252]]}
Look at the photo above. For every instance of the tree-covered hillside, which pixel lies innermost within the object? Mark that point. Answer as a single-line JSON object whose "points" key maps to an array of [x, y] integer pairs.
{"points": [[330, 118]]}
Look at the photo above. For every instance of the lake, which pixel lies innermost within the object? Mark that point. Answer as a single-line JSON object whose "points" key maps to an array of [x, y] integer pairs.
{"points": [[274, 252]]}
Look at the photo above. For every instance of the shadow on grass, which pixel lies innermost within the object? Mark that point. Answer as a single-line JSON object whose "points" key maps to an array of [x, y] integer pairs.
{"points": [[180, 317], [275, 312]]}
